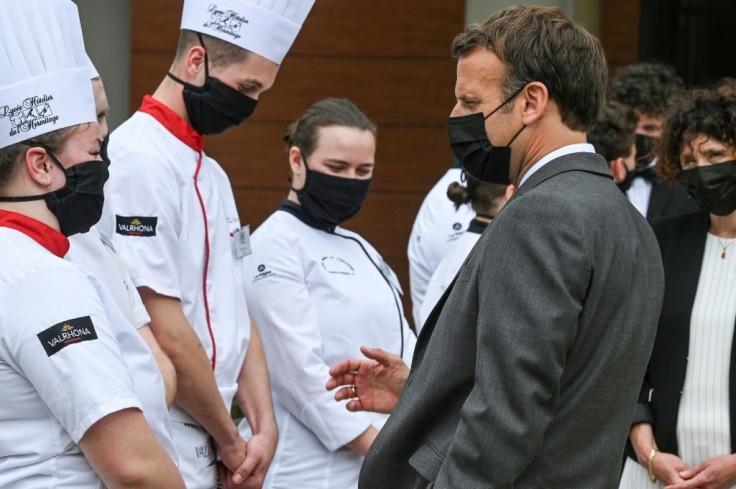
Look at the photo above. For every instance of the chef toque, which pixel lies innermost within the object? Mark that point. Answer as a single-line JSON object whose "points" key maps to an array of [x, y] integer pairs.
{"points": [[44, 75], [265, 27], [93, 73]]}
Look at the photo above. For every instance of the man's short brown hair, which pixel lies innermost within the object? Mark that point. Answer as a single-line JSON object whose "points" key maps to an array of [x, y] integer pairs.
{"points": [[614, 133], [542, 44], [219, 53]]}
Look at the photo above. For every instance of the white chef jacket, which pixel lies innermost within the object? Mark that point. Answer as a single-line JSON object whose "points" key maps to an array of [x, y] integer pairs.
{"points": [[93, 251], [61, 368], [173, 242], [317, 297], [436, 226], [448, 268]]}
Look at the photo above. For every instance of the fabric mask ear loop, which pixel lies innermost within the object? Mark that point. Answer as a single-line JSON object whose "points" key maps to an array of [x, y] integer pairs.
{"points": [[36, 197], [304, 159], [206, 59], [504, 102]]}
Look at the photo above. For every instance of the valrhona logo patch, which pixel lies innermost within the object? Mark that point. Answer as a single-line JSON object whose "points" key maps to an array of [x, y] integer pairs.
{"points": [[66, 333], [33, 112], [136, 226]]}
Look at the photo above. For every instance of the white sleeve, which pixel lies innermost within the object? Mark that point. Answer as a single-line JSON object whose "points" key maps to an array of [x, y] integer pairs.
{"points": [[67, 351], [279, 302], [142, 205]]}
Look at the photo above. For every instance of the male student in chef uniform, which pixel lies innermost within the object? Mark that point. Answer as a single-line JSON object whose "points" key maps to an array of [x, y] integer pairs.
{"points": [[171, 214]]}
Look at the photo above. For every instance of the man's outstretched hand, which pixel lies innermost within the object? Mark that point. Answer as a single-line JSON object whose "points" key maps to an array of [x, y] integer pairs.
{"points": [[371, 385]]}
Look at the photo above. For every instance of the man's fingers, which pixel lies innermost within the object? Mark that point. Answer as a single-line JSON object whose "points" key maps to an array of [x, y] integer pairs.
{"points": [[346, 379], [345, 393], [245, 469], [381, 356], [344, 366]]}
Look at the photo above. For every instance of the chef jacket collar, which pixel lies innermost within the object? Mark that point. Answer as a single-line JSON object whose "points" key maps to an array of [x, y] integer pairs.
{"points": [[297, 211], [177, 126], [46, 236], [476, 226]]}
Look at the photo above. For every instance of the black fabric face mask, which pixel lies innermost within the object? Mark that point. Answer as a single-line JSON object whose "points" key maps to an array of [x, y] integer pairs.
{"points": [[78, 205], [471, 146], [644, 149], [328, 200], [713, 187], [215, 106]]}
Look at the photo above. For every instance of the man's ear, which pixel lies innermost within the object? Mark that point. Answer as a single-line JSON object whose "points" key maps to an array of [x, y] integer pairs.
{"points": [[535, 98], [618, 169], [39, 166], [195, 61]]}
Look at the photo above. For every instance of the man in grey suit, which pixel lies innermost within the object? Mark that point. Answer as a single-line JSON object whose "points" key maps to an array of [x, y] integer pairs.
{"points": [[526, 373]]}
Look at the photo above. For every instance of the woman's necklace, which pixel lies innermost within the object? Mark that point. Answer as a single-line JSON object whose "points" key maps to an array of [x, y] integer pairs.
{"points": [[729, 242]]}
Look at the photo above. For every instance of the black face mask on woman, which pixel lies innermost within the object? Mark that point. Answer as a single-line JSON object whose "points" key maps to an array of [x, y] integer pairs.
{"points": [[713, 187], [471, 146], [329, 200], [78, 205], [215, 106]]}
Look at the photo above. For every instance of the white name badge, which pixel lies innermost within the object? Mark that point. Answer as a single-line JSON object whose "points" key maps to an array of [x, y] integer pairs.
{"points": [[241, 242]]}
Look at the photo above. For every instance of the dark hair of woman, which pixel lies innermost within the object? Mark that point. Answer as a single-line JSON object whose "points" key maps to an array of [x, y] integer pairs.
{"points": [[11, 156], [325, 113], [711, 112], [483, 197]]}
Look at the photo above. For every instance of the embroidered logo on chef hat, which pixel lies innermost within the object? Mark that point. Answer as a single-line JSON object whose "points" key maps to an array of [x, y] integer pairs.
{"points": [[44, 82], [265, 27]]}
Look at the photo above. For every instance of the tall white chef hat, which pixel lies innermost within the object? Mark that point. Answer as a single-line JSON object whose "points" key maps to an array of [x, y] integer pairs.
{"points": [[265, 27], [44, 76]]}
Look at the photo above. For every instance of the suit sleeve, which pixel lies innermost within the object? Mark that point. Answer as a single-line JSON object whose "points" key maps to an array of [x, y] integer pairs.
{"points": [[144, 191], [532, 281], [279, 302]]}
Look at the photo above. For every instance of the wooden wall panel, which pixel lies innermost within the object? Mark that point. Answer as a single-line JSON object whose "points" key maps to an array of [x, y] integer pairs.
{"points": [[334, 28], [620, 32], [390, 58]]}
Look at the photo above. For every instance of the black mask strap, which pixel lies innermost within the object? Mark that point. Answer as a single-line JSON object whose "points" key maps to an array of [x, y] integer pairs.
{"points": [[304, 159], [206, 67], [511, 97], [30, 198], [516, 135]]}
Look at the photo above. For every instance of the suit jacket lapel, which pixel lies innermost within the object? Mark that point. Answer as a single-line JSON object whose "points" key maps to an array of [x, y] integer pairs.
{"points": [[657, 201]]}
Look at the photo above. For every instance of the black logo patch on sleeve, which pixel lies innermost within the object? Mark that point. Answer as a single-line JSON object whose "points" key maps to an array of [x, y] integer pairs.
{"points": [[66, 333], [136, 226]]}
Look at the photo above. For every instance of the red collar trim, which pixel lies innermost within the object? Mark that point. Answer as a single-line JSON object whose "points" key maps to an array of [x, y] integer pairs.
{"points": [[46, 236], [177, 126]]}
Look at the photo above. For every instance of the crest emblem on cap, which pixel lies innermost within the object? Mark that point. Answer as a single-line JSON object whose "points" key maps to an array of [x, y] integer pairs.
{"points": [[33, 112], [225, 21]]}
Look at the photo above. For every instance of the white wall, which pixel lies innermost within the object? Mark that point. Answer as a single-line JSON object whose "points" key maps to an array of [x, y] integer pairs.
{"points": [[106, 27]]}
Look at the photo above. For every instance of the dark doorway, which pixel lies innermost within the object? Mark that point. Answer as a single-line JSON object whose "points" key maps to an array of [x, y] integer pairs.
{"points": [[697, 37]]}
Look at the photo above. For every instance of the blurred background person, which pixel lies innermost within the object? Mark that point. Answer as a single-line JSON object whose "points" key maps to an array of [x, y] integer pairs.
{"points": [[613, 137], [486, 200], [649, 89], [439, 223], [318, 292], [684, 433]]}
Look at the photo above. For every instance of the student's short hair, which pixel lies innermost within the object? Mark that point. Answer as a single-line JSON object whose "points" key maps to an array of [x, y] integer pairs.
{"points": [[542, 44], [219, 53], [614, 133], [649, 88], [711, 112]]}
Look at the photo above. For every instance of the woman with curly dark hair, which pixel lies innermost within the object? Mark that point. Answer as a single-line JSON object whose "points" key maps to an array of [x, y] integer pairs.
{"points": [[684, 433]]}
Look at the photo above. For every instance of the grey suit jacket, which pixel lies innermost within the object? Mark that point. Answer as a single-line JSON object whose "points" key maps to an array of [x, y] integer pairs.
{"points": [[527, 372]]}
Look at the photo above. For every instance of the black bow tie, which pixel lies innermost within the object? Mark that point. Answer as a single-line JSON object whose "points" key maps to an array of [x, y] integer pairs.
{"points": [[646, 173]]}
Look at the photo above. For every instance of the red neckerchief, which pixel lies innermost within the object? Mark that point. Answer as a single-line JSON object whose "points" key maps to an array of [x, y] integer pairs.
{"points": [[177, 126], [46, 236]]}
